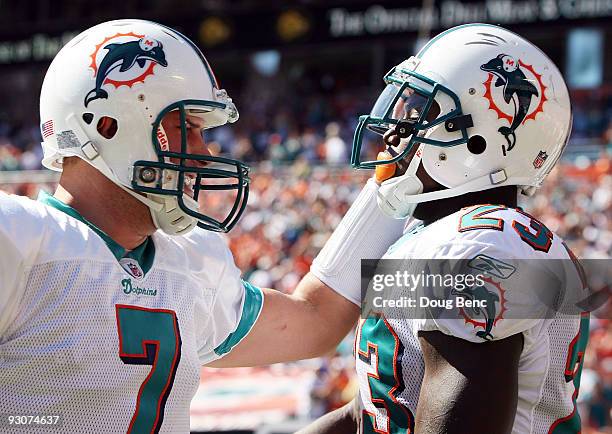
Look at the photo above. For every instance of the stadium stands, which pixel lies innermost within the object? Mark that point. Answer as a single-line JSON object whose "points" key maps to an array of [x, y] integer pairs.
{"points": [[301, 186]]}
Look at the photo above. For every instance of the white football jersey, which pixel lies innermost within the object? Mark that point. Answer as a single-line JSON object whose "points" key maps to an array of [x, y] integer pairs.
{"points": [[110, 342], [389, 360]]}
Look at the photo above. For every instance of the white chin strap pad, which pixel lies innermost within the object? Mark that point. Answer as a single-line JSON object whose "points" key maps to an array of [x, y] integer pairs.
{"points": [[392, 193], [170, 218], [165, 213], [398, 197]]}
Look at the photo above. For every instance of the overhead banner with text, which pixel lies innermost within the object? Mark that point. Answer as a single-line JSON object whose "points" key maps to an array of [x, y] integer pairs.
{"points": [[289, 27]]}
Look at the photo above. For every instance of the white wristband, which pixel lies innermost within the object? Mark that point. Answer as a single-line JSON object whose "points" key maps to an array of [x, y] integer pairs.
{"points": [[365, 232]]}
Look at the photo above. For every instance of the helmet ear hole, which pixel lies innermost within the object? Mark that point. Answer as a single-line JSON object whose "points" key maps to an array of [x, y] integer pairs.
{"points": [[476, 144], [88, 118], [107, 127]]}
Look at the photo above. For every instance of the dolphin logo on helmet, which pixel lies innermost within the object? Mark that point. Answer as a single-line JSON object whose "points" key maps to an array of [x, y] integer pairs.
{"points": [[124, 56], [457, 132], [515, 83], [115, 84]]}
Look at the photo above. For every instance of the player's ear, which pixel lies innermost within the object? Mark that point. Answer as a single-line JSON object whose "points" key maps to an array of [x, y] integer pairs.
{"points": [[107, 127]]}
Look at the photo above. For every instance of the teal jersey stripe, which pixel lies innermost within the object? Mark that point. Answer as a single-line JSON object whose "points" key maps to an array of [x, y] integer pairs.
{"points": [[144, 254], [53, 202], [253, 303]]}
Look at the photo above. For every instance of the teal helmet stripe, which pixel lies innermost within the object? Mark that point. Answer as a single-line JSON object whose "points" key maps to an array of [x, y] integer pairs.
{"points": [[446, 32]]}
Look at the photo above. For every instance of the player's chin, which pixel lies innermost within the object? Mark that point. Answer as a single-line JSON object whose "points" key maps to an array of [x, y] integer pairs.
{"points": [[421, 212]]}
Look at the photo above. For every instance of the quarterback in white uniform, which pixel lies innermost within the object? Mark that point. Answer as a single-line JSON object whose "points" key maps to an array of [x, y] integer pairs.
{"points": [[118, 288], [83, 322], [476, 117]]}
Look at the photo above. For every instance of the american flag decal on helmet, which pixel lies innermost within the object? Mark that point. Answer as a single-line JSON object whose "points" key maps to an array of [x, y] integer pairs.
{"points": [[47, 129]]}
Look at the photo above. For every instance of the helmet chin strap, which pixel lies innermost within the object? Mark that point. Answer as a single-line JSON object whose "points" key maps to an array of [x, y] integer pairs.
{"points": [[165, 211], [170, 218], [398, 197], [392, 193]]}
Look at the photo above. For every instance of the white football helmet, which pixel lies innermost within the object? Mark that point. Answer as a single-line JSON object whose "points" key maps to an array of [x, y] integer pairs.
{"points": [[135, 72], [486, 108]]}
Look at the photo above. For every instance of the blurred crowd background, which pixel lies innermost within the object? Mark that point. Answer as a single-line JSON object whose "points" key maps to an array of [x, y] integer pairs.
{"points": [[299, 94]]}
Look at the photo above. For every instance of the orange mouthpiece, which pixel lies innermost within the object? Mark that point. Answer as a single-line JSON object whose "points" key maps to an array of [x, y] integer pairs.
{"points": [[384, 171]]}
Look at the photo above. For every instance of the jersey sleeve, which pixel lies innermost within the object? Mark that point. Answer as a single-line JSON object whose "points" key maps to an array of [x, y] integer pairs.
{"points": [[509, 294], [235, 310], [13, 259]]}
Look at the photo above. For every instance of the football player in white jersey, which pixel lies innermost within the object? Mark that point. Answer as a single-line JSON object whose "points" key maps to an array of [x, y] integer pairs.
{"points": [[476, 117], [118, 288]]}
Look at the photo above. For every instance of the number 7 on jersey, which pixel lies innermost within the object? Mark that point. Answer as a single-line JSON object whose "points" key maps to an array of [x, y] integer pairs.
{"points": [[149, 337]]}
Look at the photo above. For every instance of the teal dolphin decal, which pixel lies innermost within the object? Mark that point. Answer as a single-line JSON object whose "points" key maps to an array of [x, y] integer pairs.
{"points": [[481, 293], [124, 56], [517, 88]]}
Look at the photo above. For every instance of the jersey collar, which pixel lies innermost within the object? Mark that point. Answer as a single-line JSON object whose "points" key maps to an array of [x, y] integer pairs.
{"points": [[143, 254]]}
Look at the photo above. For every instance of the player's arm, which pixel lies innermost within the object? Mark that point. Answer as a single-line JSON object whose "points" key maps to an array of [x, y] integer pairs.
{"points": [[468, 387], [306, 324], [12, 260], [324, 305]]}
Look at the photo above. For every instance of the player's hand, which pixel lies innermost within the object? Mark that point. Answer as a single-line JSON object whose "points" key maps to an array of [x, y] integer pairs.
{"points": [[394, 146]]}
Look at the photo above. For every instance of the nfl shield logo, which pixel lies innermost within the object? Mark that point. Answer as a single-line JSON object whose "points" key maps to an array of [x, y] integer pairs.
{"points": [[132, 267], [540, 159]]}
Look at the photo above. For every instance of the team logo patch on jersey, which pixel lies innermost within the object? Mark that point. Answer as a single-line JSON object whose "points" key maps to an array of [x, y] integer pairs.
{"points": [[521, 98], [132, 267], [123, 60], [129, 288], [492, 266], [484, 318]]}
